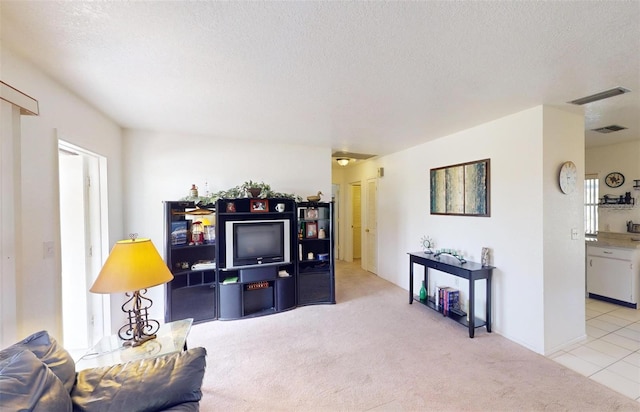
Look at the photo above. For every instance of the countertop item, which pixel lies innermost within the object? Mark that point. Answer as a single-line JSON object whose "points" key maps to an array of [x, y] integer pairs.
{"points": [[618, 240]]}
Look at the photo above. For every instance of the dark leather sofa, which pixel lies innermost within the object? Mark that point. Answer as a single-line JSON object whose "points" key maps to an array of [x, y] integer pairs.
{"points": [[37, 374]]}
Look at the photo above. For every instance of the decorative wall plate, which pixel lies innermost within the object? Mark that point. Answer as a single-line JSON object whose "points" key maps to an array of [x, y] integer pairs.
{"points": [[614, 179]]}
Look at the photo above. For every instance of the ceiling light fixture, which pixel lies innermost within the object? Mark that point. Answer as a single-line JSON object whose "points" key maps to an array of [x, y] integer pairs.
{"points": [[599, 96], [343, 161]]}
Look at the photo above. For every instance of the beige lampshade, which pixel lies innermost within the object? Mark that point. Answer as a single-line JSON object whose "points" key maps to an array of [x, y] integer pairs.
{"points": [[132, 265]]}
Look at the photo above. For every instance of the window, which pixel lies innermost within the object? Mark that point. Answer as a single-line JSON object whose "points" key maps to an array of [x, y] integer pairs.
{"points": [[591, 205]]}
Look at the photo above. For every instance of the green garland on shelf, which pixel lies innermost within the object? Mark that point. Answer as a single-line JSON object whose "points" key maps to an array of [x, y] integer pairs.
{"points": [[242, 191]]}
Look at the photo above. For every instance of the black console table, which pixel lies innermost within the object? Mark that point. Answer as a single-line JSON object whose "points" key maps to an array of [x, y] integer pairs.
{"points": [[471, 271]]}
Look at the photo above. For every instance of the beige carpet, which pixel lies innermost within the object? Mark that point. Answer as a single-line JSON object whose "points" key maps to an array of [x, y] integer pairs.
{"points": [[374, 351]]}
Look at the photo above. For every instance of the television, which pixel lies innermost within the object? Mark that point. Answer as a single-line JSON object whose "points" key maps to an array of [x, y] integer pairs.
{"points": [[257, 242]]}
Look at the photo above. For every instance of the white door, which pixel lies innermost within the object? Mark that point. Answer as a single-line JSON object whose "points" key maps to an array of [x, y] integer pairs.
{"points": [[75, 313], [356, 222], [85, 315], [371, 228]]}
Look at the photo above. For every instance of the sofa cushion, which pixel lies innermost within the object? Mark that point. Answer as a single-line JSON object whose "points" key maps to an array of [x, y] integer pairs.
{"points": [[50, 353], [27, 384], [142, 385]]}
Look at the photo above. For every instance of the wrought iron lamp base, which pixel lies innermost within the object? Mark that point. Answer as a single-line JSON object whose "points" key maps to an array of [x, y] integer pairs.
{"points": [[140, 328]]}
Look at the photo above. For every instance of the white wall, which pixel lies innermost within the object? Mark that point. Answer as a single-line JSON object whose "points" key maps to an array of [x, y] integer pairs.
{"points": [[623, 158], [564, 257], [62, 115], [521, 180], [160, 167]]}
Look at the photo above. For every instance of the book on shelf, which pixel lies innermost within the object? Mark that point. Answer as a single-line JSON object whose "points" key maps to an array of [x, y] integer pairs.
{"points": [[204, 265], [453, 300], [179, 233], [227, 281], [448, 300]]}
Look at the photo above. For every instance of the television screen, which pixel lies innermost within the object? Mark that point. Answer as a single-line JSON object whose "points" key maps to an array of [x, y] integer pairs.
{"points": [[257, 242]]}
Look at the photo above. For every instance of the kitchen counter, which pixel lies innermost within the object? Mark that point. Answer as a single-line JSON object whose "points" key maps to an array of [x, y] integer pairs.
{"points": [[617, 240], [613, 268]]}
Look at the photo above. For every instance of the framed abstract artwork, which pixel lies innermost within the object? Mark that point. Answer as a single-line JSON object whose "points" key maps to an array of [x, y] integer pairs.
{"points": [[461, 189]]}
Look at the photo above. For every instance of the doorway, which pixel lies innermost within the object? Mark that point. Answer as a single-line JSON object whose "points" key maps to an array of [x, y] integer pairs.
{"points": [[335, 197], [370, 261], [356, 221], [83, 244]]}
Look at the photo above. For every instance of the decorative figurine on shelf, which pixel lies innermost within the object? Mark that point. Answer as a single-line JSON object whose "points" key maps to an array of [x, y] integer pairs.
{"points": [[484, 257], [315, 198], [423, 293], [427, 244], [197, 233], [193, 192]]}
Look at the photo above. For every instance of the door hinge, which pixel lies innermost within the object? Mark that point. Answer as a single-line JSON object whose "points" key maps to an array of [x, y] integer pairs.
{"points": [[90, 251]]}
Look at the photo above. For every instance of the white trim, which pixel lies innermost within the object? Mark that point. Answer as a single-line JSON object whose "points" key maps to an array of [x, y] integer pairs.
{"points": [[27, 104]]}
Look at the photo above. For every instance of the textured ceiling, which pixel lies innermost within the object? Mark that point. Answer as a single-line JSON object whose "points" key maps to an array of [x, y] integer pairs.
{"points": [[370, 77]]}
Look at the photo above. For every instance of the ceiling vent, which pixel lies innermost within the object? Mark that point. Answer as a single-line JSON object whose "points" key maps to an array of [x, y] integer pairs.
{"points": [[609, 129], [599, 96]]}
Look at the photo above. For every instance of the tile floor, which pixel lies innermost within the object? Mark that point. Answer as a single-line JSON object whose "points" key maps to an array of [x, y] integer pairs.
{"points": [[611, 352]]}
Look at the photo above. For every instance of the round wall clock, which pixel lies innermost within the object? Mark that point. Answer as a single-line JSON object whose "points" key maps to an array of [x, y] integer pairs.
{"points": [[614, 179], [568, 177]]}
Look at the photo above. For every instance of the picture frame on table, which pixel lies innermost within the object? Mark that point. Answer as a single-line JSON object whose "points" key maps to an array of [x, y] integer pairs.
{"points": [[311, 230], [259, 205]]}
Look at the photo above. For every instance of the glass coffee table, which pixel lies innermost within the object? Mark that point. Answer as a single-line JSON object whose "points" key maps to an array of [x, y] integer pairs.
{"points": [[170, 338]]}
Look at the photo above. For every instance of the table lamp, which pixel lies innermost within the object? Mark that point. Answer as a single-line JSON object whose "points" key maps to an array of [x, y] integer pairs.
{"points": [[133, 266]]}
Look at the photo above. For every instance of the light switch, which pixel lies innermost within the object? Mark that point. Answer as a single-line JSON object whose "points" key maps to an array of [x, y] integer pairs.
{"points": [[574, 234]]}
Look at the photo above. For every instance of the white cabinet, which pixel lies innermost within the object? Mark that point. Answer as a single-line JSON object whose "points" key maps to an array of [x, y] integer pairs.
{"points": [[613, 273]]}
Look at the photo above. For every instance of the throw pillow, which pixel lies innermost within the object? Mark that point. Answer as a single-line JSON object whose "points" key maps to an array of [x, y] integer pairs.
{"points": [[27, 384], [143, 385], [50, 353]]}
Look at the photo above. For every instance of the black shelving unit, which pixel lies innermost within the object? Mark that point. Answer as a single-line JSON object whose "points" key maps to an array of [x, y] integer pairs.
{"points": [[229, 292], [471, 271], [192, 292], [315, 254], [254, 290]]}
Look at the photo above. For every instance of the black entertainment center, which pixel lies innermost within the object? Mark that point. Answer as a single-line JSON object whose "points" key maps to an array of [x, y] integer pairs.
{"points": [[268, 255]]}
